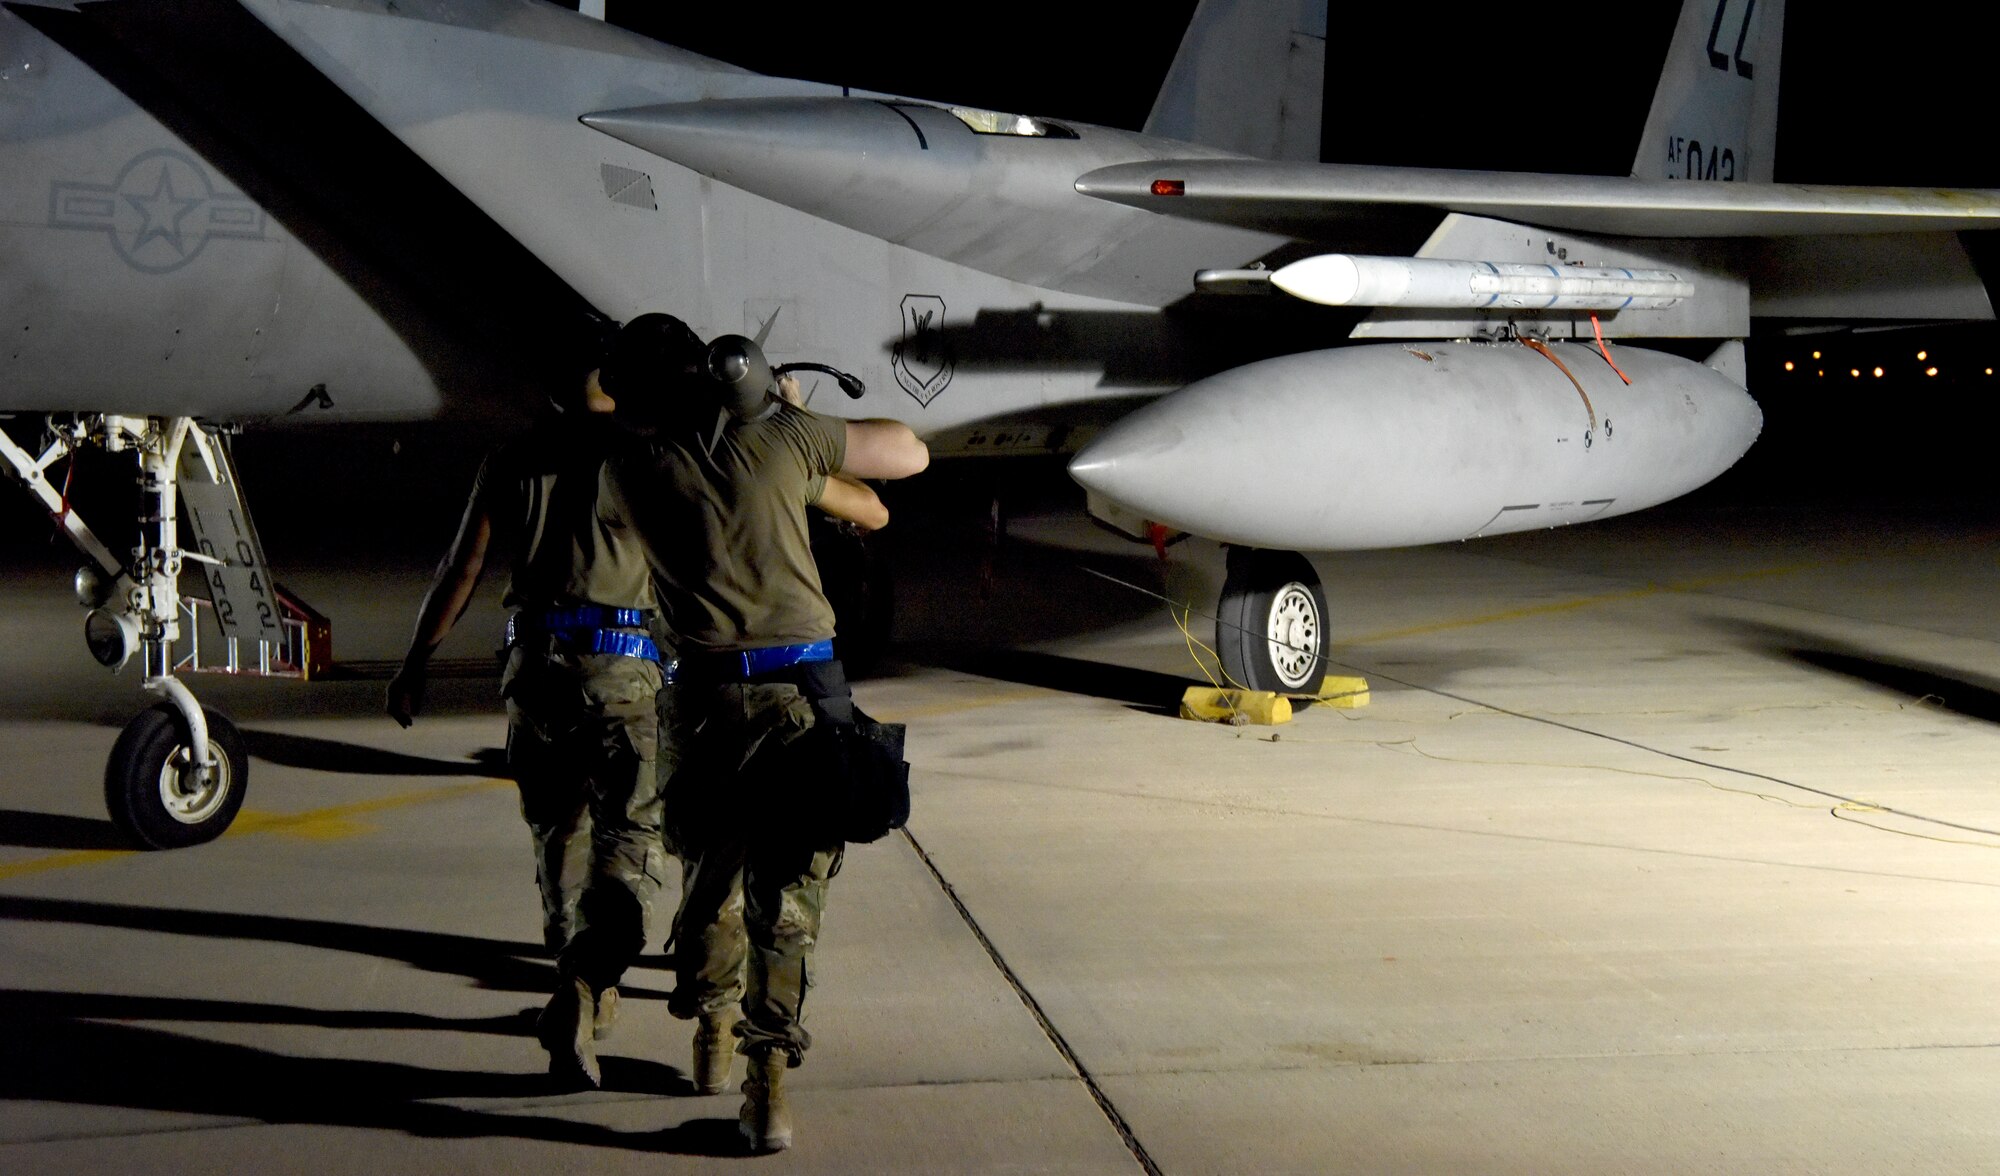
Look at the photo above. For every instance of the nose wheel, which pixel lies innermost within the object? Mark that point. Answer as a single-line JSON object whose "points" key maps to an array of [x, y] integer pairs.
{"points": [[1271, 629], [158, 794]]}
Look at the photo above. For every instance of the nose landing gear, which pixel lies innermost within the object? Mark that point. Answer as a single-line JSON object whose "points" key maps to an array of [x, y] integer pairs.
{"points": [[157, 793], [178, 773]]}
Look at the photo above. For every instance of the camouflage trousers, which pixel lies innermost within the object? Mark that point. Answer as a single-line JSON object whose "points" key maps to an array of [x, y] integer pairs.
{"points": [[583, 741], [753, 884]]}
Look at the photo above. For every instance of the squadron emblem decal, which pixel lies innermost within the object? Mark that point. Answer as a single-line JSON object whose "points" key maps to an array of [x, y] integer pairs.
{"points": [[922, 360], [159, 213]]}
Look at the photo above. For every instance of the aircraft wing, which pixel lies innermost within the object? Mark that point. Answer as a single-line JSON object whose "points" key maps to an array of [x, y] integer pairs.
{"points": [[1309, 199]]}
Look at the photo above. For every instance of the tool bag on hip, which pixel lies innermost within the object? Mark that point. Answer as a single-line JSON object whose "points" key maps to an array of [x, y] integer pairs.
{"points": [[867, 782]]}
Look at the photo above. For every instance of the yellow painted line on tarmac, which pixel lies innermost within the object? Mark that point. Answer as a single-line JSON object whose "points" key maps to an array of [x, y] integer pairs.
{"points": [[324, 824], [62, 861], [329, 824], [1581, 602]]}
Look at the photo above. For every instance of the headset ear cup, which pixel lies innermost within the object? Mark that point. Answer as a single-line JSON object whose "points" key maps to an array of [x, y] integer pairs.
{"points": [[745, 384]]}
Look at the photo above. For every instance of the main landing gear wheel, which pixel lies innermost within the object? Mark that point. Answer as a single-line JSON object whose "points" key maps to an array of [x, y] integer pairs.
{"points": [[157, 794], [1271, 629]]}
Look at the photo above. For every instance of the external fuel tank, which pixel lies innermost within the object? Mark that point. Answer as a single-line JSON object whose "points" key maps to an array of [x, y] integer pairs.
{"points": [[1391, 445]]}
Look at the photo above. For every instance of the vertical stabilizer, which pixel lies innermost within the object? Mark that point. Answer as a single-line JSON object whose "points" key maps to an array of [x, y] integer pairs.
{"points": [[1715, 115], [1250, 77]]}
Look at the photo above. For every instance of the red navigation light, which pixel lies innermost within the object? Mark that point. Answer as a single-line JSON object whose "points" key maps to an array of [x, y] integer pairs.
{"points": [[1169, 187]]}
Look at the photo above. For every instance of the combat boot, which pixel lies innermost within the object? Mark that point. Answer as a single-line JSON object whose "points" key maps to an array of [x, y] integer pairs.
{"points": [[714, 1052], [566, 1030], [607, 1014], [766, 1119]]}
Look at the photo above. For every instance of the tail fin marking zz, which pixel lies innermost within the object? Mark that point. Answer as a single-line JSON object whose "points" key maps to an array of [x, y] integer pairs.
{"points": [[1715, 114]]}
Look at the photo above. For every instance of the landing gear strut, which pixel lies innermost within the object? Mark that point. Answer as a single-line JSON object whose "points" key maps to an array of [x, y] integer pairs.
{"points": [[1271, 626], [178, 772]]}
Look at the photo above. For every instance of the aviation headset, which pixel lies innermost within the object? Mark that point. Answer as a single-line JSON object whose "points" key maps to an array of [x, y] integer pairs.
{"points": [[656, 365], [748, 383], [745, 386]]}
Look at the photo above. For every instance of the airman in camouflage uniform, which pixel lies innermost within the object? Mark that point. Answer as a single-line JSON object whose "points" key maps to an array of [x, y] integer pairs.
{"points": [[583, 666], [721, 502]]}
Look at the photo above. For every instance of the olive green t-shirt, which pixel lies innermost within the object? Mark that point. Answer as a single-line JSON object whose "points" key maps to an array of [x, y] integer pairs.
{"points": [[726, 529], [546, 495]]}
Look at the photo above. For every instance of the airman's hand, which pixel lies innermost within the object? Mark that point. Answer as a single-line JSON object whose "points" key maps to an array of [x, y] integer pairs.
{"points": [[406, 696], [788, 390]]}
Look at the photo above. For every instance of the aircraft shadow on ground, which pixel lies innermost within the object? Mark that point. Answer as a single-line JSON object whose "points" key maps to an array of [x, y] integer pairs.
{"points": [[1023, 591], [59, 831], [354, 759], [63, 1047], [1143, 690], [1390, 668], [496, 964], [1946, 688]]}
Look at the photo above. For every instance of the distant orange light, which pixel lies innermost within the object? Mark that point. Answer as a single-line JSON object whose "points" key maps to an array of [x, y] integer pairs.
{"points": [[1989, 371], [1815, 355], [1878, 373], [1169, 187], [1930, 371], [1855, 372], [1788, 365], [1922, 356], [1822, 373]]}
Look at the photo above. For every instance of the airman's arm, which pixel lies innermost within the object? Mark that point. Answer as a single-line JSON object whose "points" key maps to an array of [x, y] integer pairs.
{"points": [[883, 449], [450, 592], [852, 502]]}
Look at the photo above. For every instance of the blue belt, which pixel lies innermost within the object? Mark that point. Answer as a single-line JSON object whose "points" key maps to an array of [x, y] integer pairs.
{"points": [[581, 630], [613, 642], [588, 616], [742, 665]]}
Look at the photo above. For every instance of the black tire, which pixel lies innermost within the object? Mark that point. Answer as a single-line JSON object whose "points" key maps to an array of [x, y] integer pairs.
{"points": [[150, 786], [1271, 629]]}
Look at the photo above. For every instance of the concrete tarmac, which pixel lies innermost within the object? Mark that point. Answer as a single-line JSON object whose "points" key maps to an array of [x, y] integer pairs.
{"points": [[1666, 844]]}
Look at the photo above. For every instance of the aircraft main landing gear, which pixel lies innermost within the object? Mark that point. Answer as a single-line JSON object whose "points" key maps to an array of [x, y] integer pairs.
{"points": [[1271, 629]]}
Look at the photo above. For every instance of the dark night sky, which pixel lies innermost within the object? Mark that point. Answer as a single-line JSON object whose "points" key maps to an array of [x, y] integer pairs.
{"points": [[1449, 84]]}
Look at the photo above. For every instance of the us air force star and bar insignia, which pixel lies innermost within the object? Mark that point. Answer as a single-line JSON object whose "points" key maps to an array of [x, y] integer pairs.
{"points": [[159, 213], [922, 360]]}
